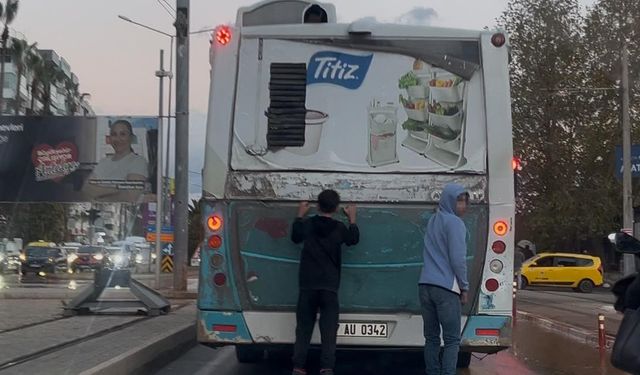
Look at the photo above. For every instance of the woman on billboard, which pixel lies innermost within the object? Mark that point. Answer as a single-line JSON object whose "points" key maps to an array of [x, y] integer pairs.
{"points": [[122, 175]]}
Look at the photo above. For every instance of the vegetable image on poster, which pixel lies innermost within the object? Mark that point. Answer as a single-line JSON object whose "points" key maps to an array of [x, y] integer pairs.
{"points": [[434, 105]]}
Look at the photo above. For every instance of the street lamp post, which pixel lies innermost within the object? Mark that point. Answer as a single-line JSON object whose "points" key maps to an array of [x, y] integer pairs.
{"points": [[161, 74], [182, 26]]}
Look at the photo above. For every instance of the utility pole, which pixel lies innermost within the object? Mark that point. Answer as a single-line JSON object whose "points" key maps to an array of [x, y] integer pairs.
{"points": [[159, 182], [182, 145], [627, 193]]}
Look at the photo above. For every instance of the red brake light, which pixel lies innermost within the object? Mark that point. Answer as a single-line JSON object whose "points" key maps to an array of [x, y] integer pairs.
{"points": [[498, 40], [215, 241], [487, 332], [516, 164], [499, 247], [223, 35], [492, 285], [220, 279], [500, 228], [224, 328], [214, 223]]}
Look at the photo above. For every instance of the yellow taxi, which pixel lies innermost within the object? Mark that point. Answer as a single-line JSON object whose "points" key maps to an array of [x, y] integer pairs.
{"points": [[577, 271]]}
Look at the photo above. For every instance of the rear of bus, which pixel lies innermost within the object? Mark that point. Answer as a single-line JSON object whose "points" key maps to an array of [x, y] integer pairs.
{"points": [[384, 114]]}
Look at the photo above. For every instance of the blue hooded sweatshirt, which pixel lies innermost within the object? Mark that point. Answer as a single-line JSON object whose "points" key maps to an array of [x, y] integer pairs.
{"points": [[445, 247]]}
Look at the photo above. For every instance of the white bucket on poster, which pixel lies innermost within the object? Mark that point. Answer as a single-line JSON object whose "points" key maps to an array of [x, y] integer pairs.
{"points": [[312, 133]]}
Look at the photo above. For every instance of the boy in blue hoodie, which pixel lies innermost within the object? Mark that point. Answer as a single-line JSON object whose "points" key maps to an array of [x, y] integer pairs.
{"points": [[443, 281]]}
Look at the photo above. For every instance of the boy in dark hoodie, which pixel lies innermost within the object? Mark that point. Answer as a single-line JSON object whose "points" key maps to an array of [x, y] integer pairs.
{"points": [[319, 276]]}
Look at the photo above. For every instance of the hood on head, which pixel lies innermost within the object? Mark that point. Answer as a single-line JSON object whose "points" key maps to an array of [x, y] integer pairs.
{"points": [[449, 197]]}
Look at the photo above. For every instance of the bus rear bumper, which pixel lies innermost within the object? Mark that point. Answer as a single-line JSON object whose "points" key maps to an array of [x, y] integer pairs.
{"points": [[486, 334], [481, 333], [222, 328]]}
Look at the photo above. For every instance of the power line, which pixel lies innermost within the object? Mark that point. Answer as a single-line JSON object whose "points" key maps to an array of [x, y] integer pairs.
{"points": [[167, 8]]}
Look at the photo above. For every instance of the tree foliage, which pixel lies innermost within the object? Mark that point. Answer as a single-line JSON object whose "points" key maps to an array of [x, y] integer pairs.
{"points": [[566, 115]]}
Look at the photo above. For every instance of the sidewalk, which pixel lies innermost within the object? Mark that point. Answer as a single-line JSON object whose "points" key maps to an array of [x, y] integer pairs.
{"points": [[571, 314], [97, 344]]}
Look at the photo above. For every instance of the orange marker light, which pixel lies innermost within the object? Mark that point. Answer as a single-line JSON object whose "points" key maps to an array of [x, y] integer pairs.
{"points": [[500, 228], [214, 222]]}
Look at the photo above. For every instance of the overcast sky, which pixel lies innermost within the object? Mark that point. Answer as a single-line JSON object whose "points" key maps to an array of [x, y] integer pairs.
{"points": [[116, 61]]}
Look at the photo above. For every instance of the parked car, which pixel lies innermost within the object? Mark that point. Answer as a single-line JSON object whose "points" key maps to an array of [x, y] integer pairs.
{"points": [[577, 271], [89, 258], [43, 260]]}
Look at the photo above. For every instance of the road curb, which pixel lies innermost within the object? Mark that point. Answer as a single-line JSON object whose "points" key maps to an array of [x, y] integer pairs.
{"points": [[58, 294], [135, 360], [175, 294], [578, 334]]}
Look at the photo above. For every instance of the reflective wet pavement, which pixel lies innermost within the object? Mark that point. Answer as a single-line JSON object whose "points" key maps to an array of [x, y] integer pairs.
{"points": [[535, 352]]}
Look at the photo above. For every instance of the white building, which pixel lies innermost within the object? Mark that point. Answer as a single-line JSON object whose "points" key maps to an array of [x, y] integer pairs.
{"points": [[59, 99]]}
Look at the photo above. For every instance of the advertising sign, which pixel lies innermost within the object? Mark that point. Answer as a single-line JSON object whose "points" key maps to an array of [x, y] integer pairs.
{"points": [[635, 161], [77, 159], [327, 107]]}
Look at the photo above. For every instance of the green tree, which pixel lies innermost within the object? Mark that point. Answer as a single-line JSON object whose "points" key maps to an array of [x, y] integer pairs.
{"points": [[35, 221], [20, 52], [8, 12], [546, 37]]}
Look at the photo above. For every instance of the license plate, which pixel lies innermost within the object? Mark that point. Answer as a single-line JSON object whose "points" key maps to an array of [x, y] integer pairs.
{"points": [[363, 330], [35, 265]]}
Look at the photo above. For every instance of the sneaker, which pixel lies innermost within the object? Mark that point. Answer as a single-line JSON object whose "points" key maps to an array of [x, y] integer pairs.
{"points": [[326, 371], [299, 371]]}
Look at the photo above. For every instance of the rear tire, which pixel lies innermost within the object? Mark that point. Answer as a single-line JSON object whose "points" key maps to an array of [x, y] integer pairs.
{"points": [[464, 359], [249, 353], [524, 283], [586, 286]]}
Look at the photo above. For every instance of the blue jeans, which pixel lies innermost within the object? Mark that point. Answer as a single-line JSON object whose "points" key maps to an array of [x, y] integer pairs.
{"points": [[440, 307]]}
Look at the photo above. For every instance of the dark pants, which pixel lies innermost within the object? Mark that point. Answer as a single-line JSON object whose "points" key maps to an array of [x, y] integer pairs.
{"points": [[440, 307], [309, 303]]}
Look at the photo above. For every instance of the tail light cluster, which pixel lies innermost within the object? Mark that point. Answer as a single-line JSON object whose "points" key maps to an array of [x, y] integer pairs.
{"points": [[215, 224], [496, 266], [222, 35]]}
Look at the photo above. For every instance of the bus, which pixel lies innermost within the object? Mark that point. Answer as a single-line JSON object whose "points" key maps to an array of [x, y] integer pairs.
{"points": [[384, 114]]}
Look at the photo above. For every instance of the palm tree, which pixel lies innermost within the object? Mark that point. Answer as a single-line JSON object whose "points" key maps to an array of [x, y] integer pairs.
{"points": [[20, 51], [35, 66], [8, 13], [50, 74], [72, 96]]}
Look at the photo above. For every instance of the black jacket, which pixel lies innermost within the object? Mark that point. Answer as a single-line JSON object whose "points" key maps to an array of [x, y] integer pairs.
{"points": [[627, 292], [321, 258]]}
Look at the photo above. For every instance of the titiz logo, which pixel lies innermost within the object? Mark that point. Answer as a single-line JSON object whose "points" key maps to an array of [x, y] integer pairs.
{"points": [[338, 68]]}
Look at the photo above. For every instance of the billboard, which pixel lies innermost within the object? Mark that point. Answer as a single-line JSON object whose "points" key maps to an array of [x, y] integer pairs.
{"points": [[635, 161], [78, 159], [379, 108]]}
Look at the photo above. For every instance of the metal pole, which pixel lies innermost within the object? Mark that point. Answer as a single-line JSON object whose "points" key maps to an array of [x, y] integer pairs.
{"points": [[159, 190], [627, 194], [168, 158], [182, 144]]}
